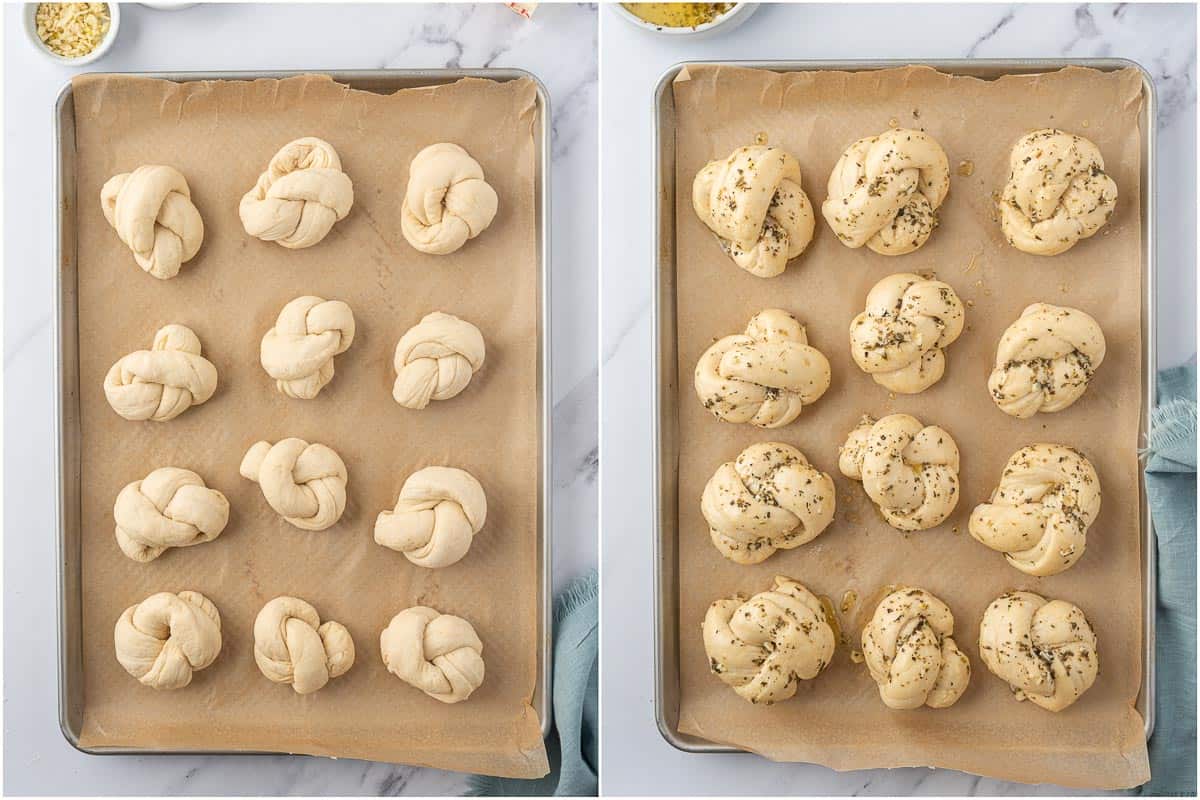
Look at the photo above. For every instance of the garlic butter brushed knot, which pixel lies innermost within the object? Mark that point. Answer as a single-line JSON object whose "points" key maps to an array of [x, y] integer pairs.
{"points": [[885, 190], [293, 646], [152, 212], [1045, 360], [908, 469], [769, 499], [1045, 650], [435, 359], [304, 483], [438, 513], [165, 638], [170, 507], [298, 352], [909, 648], [765, 376], [301, 195], [163, 382], [764, 646], [754, 203], [899, 338], [447, 200], [440, 654], [1039, 515], [1057, 192]]}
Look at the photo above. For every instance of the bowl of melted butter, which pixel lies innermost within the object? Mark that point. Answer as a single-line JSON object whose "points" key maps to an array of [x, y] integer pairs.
{"points": [[685, 19]]}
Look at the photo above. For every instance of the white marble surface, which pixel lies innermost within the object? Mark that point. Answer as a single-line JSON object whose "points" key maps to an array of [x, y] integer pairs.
{"points": [[1161, 38], [558, 46]]}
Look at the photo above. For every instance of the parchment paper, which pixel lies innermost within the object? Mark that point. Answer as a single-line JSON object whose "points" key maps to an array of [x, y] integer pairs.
{"points": [[221, 135], [838, 719]]}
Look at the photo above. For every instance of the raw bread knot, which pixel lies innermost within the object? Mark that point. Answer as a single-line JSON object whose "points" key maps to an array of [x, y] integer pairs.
{"points": [[763, 647], [899, 338], [170, 507], [769, 499], [765, 376], [885, 190], [438, 513], [298, 352], [447, 200], [908, 469], [1057, 192], [1044, 649], [305, 483], [754, 204], [1039, 515], [1045, 360], [164, 381], [162, 640], [152, 212], [302, 193], [909, 648], [292, 646], [435, 359], [435, 652]]}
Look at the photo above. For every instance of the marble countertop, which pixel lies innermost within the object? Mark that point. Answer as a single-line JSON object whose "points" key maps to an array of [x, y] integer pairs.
{"points": [[1161, 38], [558, 46]]}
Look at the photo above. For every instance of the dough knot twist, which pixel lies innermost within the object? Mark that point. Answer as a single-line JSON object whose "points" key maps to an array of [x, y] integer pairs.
{"points": [[298, 352], [164, 381], [162, 640], [909, 648], [440, 654], [170, 507], [447, 200], [293, 646], [152, 212], [304, 483], [438, 513], [435, 359], [300, 196]]}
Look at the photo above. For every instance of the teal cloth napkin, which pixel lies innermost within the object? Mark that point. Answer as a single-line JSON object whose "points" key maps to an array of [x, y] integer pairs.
{"points": [[573, 743]]}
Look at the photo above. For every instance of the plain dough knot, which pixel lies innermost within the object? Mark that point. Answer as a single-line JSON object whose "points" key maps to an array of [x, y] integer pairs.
{"points": [[305, 483], [301, 195], [769, 499], [1057, 192], [1039, 515], [908, 469], [438, 513], [899, 338], [164, 381], [885, 190], [909, 648], [1044, 649], [170, 507], [152, 212], [298, 352], [754, 203], [435, 359], [763, 647], [292, 646], [440, 654], [765, 376], [162, 640], [447, 200], [1045, 360]]}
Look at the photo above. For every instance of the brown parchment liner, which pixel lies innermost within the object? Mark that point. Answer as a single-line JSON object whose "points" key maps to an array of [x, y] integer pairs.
{"points": [[220, 135], [838, 719]]}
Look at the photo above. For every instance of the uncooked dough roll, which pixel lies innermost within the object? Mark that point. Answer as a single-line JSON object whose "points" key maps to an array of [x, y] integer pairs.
{"points": [[170, 507], [305, 483], [440, 654], [298, 352], [301, 195], [447, 200], [438, 513], [167, 637], [164, 381], [435, 359], [151, 210], [293, 646]]}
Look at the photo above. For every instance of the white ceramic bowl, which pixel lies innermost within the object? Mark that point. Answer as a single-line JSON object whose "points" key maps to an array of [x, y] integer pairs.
{"points": [[114, 22], [723, 23]]}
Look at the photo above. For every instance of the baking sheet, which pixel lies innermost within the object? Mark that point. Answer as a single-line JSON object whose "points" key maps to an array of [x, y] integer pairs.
{"points": [[221, 134], [838, 720]]}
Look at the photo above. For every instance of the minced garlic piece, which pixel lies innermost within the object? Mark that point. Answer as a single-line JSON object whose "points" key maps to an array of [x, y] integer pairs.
{"points": [[72, 30]]}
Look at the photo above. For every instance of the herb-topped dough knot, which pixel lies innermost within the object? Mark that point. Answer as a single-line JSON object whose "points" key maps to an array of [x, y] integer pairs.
{"points": [[1045, 360], [908, 469], [885, 190], [765, 376], [152, 212], [1057, 192], [302, 193], [438, 513], [170, 507], [899, 338], [162, 640], [1044, 649], [753, 202], [763, 647], [769, 499], [1040, 513], [164, 381], [298, 352], [293, 646], [435, 359], [440, 654], [909, 648], [447, 200], [304, 483]]}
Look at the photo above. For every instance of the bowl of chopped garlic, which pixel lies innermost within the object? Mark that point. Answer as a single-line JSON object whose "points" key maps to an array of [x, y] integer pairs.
{"points": [[73, 34], [685, 19]]}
